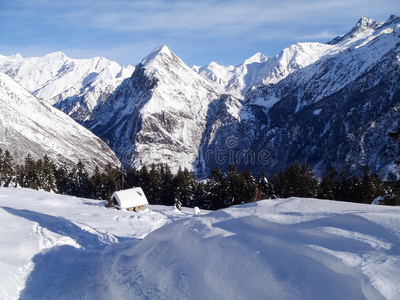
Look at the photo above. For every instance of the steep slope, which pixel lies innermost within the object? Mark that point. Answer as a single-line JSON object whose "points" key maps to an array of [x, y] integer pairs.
{"points": [[29, 126], [75, 86], [336, 111], [158, 115]]}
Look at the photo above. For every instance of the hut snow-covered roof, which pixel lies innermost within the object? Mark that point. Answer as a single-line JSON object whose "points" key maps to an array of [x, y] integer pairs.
{"points": [[130, 198]]}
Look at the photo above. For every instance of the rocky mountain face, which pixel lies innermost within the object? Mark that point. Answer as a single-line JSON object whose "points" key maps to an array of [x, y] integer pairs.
{"points": [[158, 115], [30, 126], [313, 103]]}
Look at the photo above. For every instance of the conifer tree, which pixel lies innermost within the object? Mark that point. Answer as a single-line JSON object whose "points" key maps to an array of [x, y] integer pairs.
{"points": [[167, 192], [370, 186], [199, 194], [184, 182], [350, 189], [263, 186], [112, 180], [144, 179], [61, 178], [6, 168], [154, 188], [274, 188], [97, 184], [215, 190], [48, 180], [79, 184], [298, 181], [328, 186], [233, 186], [247, 188], [30, 177], [132, 178]]}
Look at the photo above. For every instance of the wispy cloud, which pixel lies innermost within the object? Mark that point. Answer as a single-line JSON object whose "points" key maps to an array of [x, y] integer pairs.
{"points": [[325, 34], [118, 25]]}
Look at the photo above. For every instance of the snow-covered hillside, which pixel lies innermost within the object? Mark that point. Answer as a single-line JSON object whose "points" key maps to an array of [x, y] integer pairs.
{"points": [[72, 85], [60, 247], [30, 126]]}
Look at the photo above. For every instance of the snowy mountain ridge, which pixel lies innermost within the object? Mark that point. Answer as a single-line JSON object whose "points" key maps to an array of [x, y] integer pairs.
{"points": [[260, 70], [72, 85], [30, 126]]}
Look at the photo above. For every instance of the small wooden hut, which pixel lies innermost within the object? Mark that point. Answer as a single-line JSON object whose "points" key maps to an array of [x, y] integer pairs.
{"points": [[131, 199]]}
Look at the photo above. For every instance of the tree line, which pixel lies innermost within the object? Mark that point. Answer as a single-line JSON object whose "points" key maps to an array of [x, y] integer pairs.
{"points": [[222, 189]]}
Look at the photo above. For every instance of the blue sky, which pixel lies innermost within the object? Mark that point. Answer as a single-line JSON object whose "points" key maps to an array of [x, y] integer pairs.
{"points": [[224, 31]]}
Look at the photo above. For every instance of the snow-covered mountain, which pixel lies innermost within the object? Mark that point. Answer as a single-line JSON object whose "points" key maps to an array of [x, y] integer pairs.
{"points": [[313, 103], [260, 70], [75, 86], [336, 110], [158, 115], [275, 249], [30, 126]]}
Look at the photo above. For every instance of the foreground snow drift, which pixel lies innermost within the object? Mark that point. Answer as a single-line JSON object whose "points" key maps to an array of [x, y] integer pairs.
{"points": [[277, 249], [52, 245], [57, 247]]}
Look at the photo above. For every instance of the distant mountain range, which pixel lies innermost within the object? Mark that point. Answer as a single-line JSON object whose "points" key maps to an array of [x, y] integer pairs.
{"points": [[313, 103]]}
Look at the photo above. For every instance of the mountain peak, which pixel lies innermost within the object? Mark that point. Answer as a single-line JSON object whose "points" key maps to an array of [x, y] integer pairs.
{"points": [[256, 58], [16, 56], [365, 23], [392, 19], [162, 50], [362, 25], [56, 55]]}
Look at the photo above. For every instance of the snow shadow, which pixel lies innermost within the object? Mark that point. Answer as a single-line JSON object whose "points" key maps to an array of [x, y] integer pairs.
{"points": [[61, 226], [68, 272], [292, 253]]}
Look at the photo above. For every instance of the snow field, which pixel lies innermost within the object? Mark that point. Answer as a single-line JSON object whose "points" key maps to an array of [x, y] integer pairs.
{"points": [[60, 247]]}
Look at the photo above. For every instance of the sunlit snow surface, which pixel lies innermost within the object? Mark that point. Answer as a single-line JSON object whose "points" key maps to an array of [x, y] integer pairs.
{"points": [[59, 247]]}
